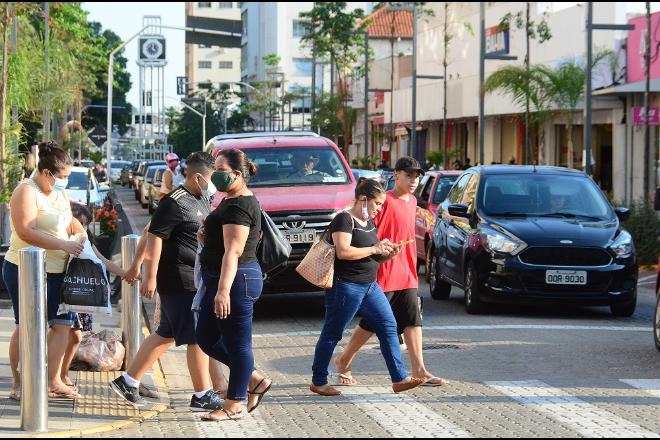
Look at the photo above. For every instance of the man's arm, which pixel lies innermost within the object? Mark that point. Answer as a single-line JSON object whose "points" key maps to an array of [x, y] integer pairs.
{"points": [[151, 258]]}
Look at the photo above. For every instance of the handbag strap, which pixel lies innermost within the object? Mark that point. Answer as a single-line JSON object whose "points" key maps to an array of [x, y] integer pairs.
{"points": [[328, 228]]}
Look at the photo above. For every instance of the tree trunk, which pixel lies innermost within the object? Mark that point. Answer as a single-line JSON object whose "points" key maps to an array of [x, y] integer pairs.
{"points": [[3, 92], [569, 131]]}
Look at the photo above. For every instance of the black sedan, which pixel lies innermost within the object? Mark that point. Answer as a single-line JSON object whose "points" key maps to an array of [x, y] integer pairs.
{"points": [[533, 234]]}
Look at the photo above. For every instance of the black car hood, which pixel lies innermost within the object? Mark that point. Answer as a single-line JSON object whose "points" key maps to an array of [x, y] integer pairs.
{"points": [[545, 231]]}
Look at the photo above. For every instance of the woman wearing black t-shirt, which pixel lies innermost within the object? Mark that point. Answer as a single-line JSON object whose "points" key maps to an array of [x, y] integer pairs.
{"points": [[233, 281], [358, 254]]}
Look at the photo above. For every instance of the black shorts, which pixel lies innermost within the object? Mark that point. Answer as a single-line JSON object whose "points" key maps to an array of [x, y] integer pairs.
{"points": [[177, 321], [406, 306]]}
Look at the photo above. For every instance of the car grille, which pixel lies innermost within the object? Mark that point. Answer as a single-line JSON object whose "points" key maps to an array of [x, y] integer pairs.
{"points": [[319, 220], [566, 256]]}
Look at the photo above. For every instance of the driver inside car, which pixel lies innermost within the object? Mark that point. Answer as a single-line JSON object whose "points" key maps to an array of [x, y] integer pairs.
{"points": [[305, 164]]}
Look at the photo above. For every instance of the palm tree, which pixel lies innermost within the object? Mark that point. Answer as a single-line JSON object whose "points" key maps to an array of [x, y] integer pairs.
{"points": [[523, 85], [564, 86]]}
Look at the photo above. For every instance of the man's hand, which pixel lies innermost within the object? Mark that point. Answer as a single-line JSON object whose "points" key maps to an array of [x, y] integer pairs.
{"points": [[148, 287], [132, 274]]}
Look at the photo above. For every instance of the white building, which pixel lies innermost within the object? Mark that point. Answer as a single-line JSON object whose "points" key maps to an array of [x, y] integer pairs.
{"points": [[504, 127], [275, 28], [213, 64]]}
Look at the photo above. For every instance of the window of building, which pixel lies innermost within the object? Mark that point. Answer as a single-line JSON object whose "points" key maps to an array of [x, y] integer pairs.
{"points": [[204, 46], [299, 28], [203, 4], [302, 67], [225, 5], [225, 65], [204, 65]]}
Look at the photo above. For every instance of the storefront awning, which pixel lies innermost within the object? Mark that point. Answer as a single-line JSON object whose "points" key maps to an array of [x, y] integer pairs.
{"points": [[636, 87]]}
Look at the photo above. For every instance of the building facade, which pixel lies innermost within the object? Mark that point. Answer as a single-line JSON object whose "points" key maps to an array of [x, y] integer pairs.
{"points": [[214, 64]]}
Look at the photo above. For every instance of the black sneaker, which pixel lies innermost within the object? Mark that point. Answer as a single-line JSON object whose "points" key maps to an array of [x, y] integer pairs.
{"points": [[128, 393], [208, 402]]}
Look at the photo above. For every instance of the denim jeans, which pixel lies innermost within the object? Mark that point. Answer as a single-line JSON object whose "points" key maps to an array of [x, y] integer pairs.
{"points": [[230, 340], [53, 286], [342, 302]]}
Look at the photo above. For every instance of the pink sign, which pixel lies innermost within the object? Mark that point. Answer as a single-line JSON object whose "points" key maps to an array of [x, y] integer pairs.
{"points": [[636, 48], [654, 115]]}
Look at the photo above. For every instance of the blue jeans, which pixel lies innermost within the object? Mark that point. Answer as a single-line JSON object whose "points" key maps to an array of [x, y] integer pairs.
{"points": [[230, 340], [342, 302], [53, 287]]}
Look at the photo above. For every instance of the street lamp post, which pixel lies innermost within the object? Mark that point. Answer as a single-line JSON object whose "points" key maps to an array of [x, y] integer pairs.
{"points": [[200, 114]]}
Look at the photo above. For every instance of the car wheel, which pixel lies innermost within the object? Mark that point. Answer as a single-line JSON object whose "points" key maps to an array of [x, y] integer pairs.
{"points": [[439, 289], [137, 195], [656, 329], [624, 310], [473, 302]]}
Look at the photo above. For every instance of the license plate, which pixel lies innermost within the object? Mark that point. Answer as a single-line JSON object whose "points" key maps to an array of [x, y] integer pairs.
{"points": [[574, 277], [305, 236]]}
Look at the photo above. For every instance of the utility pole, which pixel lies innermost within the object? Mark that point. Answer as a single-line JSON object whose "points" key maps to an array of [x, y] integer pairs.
{"points": [[444, 94], [647, 67], [366, 94], [46, 115], [413, 136], [528, 151]]}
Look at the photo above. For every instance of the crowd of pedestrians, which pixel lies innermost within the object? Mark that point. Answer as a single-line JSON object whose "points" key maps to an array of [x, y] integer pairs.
{"points": [[203, 263]]}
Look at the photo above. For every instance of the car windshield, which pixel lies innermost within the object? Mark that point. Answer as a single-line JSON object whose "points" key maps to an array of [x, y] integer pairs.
{"points": [[295, 166], [442, 188], [77, 181], [543, 195], [119, 164], [151, 171]]}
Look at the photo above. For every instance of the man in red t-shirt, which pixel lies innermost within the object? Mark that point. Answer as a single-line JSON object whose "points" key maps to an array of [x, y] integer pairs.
{"points": [[397, 277]]}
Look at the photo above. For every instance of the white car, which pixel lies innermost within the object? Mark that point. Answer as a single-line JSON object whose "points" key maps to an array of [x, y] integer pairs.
{"points": [[82, 181], [115, 170]]}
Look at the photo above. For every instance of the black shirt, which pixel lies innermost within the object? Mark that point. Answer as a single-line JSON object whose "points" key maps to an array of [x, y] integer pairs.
{"points": [[244, 211], [177, 220], [362, 271]]}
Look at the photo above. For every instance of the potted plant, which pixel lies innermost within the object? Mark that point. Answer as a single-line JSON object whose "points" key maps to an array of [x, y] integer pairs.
{"points": [[108, 221]]}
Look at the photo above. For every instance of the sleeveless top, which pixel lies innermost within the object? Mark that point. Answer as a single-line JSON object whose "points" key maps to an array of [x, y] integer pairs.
{"points": [[53, 218], [177, 179]]}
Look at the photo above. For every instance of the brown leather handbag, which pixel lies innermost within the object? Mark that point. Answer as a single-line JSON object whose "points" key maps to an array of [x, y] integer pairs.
{"points": [[318, 266]]}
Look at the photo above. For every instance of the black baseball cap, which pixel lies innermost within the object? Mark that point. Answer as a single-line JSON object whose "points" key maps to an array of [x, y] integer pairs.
{"points": [[409, 165]]}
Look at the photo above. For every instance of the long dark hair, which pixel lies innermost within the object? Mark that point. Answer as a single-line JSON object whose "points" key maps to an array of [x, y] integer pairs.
{"points": [[53, 158], [369, 188], [239, 161]]}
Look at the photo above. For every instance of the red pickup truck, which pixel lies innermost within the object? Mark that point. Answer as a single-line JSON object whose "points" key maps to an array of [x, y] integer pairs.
{"points": [[302, 181], [432, 190]]}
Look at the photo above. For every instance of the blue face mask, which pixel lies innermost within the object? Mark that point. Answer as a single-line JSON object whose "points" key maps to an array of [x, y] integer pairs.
{"points": [[60, 184]]}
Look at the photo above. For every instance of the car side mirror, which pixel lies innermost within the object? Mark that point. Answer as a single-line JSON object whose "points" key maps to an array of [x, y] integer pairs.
{"points": [[458, 210], [622, 213]]}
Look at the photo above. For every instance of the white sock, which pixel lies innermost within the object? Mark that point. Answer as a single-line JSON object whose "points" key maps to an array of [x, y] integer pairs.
{"points": [[202, 393], [131, 382]]}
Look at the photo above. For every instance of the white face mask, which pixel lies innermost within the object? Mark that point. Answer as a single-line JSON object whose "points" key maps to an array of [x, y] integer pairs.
{"points": [[365, 211], [209, 191], [60, 184]]}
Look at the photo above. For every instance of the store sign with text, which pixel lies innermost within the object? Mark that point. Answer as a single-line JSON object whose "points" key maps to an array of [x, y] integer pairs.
{"points": [[654, 116]]}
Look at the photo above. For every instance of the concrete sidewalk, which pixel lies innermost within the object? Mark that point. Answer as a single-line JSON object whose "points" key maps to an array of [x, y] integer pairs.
{"points": [[97, 411]]}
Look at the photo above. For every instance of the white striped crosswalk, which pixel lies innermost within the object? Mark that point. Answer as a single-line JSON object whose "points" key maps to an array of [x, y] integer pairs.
{"points": [[586, 419]]}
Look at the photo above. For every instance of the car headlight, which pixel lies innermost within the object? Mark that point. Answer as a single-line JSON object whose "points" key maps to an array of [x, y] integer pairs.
{"points": [[495, 241], [623, 245]]}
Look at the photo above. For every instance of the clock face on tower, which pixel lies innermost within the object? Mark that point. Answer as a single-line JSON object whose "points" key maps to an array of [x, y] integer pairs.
{"points": [[152, 48]]}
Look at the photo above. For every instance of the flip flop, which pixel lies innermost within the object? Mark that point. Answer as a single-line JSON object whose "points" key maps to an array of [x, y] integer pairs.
{"points": [[69, 395], [338, 380], [15, 395], [210, 417], [434, 382], [261, 394]]}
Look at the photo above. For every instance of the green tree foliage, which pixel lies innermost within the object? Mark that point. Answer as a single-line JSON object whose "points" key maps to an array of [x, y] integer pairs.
{"points": [[644, 226], [94, 116]]}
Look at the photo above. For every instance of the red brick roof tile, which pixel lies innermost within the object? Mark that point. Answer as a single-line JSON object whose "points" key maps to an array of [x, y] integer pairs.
{"points": [[386, 23]]}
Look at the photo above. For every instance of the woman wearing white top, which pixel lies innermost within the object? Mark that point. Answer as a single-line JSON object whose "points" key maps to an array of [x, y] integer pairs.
{"points": [[172, 177]]}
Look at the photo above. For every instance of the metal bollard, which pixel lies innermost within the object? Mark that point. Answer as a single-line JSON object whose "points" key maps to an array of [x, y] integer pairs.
{"points": [[32, 339], [130, 301]]}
